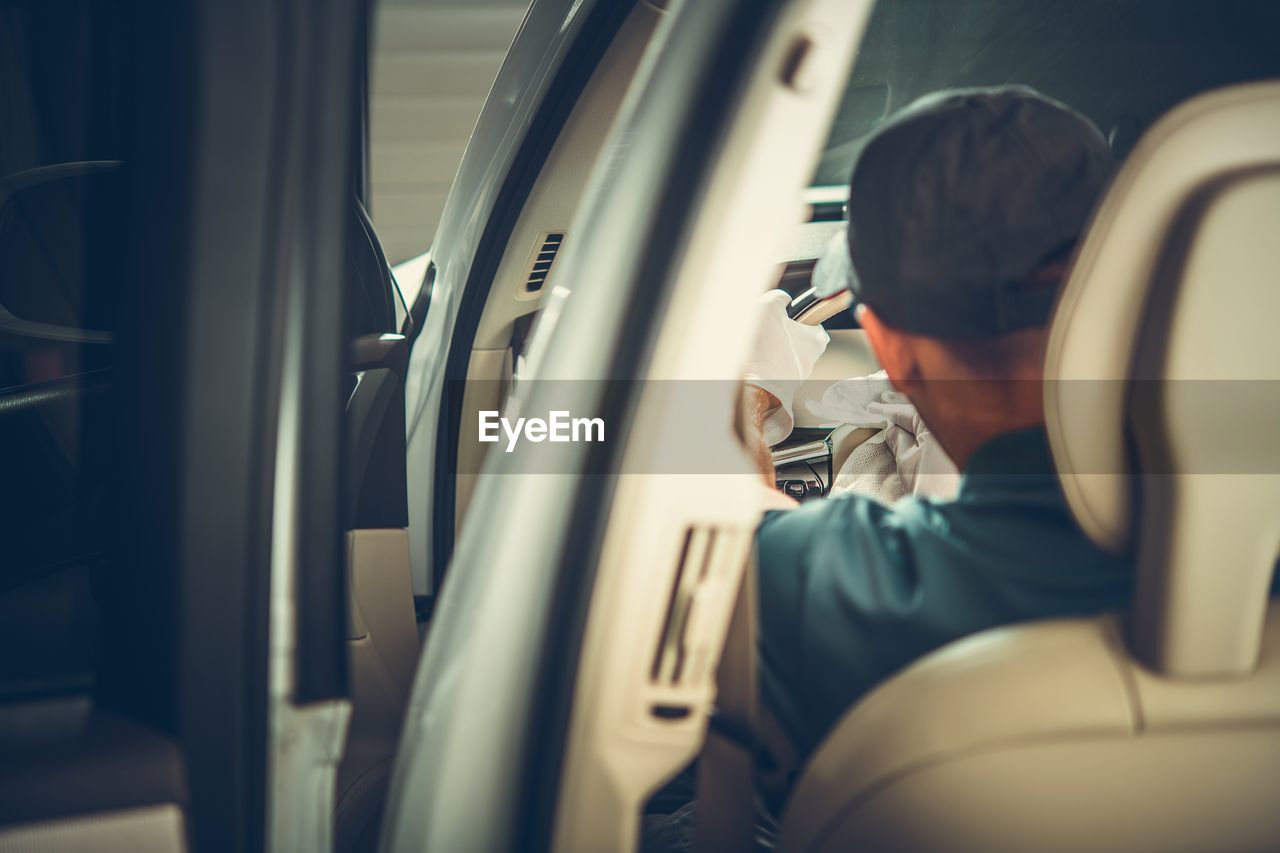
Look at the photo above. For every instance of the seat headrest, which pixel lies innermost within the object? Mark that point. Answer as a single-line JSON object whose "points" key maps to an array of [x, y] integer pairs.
{"points": [[1161, 434]]}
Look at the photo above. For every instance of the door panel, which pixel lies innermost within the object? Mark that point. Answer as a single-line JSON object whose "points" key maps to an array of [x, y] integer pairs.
{"points": [[382, 628], [381, 636], [382, 642]]}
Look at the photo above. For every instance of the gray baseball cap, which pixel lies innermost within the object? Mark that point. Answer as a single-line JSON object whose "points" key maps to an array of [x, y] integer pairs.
{"points": [[959, 197]]}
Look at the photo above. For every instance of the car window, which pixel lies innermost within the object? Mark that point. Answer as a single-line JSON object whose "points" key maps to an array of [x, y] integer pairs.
{"points": [[61, 226], [1123, 63]]}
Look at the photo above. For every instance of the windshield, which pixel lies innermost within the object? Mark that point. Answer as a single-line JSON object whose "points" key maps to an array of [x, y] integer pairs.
{"points": [[1121, 62]]}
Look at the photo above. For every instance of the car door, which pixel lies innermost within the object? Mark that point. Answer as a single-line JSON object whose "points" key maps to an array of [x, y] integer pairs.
{"points": [[555, 56], [496, 718], [173, 347], [381, 629]]}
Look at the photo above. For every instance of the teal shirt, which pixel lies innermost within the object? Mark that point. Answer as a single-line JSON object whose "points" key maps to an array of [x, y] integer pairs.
{"points": [[852, 590]]}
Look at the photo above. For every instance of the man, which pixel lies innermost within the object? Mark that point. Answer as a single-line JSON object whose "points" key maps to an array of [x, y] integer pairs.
{"points": [[964, 210], [963, 213]]}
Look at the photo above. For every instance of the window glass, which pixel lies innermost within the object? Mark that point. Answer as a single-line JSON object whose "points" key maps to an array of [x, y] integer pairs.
{"points": [[61, 107], [1123, 63]]}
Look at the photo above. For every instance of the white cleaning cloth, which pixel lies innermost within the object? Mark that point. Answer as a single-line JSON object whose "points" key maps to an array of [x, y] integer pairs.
{"points": [[920, 465], [784, 355]]}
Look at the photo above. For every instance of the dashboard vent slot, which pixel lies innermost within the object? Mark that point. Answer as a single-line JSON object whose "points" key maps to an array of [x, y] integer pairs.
{"points": [[540, 268]]}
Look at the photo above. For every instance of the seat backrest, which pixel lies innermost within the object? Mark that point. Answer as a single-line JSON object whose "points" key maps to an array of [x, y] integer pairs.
{"points": [[1159, 729], [1163, 363]]}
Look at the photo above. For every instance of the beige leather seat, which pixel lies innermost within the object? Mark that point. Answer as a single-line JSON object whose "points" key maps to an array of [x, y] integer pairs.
{"points": [[1158, 729]]}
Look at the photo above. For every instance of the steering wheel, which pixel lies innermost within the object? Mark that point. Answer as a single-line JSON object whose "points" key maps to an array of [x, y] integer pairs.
{"points": [[813, 310]]}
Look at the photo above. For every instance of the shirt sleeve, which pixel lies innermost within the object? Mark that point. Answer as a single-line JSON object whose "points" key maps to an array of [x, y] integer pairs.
{"points": [[841, 604]]}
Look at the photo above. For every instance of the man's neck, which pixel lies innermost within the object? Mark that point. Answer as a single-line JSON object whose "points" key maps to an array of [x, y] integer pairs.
{"points": [[961, 446], [964, 424]]}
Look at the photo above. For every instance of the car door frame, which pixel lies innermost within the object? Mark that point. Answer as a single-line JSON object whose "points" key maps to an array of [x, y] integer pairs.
{"points": [[259, 96], [497, 703], [554, 53]]}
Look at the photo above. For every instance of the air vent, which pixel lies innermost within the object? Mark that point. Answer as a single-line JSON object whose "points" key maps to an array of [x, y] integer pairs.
{"points": [[669, 660], [702, 594], [542, 261]]}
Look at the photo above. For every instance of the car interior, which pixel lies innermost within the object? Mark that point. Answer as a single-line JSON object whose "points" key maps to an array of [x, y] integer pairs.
{"points": [[1101, 733], [1089, 56], [1093, 57], [1083, 55]]}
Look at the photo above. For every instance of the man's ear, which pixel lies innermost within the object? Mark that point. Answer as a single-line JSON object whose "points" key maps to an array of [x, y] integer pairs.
{"points": [[893, 349]]}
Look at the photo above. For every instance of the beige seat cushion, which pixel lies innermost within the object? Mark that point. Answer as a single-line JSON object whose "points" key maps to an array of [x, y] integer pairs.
{"points": [[1048, 737]]}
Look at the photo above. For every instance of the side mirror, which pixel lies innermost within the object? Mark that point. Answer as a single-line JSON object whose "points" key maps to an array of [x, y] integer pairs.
{"points": [[43, 242]]}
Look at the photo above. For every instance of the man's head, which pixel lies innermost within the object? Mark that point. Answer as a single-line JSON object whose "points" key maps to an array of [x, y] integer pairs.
{"points": [[963, 212]]}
